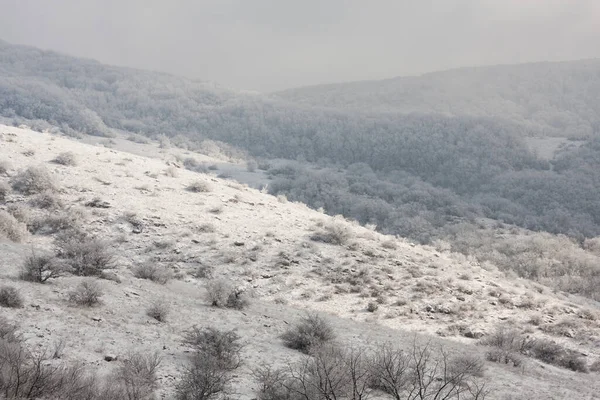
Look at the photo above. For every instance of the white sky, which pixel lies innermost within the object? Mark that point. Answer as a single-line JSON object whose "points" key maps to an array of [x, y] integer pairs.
{"points": [[268, 45]]}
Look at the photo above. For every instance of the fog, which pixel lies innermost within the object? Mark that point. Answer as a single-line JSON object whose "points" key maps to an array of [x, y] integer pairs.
{"points": [[268, 45]]}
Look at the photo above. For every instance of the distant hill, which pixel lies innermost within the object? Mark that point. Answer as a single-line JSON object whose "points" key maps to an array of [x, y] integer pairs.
{"points": [[560, 98], [410, 174]]}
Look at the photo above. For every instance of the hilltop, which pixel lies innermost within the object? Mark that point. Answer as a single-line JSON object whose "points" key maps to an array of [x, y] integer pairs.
{"points": [[556, 99], [189, 229]]}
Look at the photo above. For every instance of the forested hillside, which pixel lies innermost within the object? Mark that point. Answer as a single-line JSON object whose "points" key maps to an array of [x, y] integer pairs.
{"points": [[409, 174], [556, 99]]}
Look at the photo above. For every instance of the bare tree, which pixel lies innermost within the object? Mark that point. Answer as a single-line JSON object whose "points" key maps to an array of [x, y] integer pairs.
{"points": [[425, 374]]}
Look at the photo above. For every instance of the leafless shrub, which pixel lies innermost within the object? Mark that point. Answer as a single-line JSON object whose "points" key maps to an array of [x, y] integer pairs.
{"points": [[11, 228], [159, 310], [86, 294], [46, 200], [198, 187], [152, 271], [312, 330], [203, 379], [372, 306], [26, 375], [432, 374], [224, 346], [4, 191], [138, 375], [10, 297], [66, 158], [83, 255], [40, 268], [217, 354], [32, 180]]}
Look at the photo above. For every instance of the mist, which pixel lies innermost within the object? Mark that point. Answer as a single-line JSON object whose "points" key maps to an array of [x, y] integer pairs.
{"points": [[268, 45]]}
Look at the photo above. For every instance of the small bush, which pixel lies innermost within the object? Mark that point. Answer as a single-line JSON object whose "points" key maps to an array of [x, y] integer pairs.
{"points": [[47, 200], [33, 180], [237, 300], [508, 345], [222, 293], [10, 297], [372, 306], [20, 212], [4, 191], [67, 158], [204, 272], [335, 232], [251, 165], [207, 228], [552, 353], [83, 255], [217, 291], [153, 272], [11, 228], [172, 172], [55, 222], [312, 330], [86, 294], [198, 187], [158, 310], [40, 268]]}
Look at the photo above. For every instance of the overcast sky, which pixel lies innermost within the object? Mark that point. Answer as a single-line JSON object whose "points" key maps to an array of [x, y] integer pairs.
{"points": [[268, 45]]}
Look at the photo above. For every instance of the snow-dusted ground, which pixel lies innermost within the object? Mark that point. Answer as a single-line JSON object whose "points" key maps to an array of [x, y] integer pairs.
{"points": [[264, 245]]}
